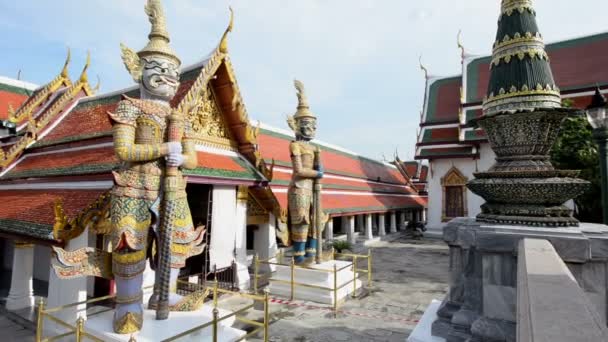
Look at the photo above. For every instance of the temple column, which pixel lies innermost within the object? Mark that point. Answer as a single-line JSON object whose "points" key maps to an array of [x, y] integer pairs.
{"points": [[68, 291], [393, 228], [381, 224], [242, 272], [329, 230], [368, 227], [265, 243], [350, 232], [21, 294]]}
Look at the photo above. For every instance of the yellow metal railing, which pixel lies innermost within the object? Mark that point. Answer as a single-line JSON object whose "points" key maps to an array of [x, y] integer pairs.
{"points": [[79, 332], [280, 261]]}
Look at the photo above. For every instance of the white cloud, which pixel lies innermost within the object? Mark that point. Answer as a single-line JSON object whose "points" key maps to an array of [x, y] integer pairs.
{"points": [[358, 58]]}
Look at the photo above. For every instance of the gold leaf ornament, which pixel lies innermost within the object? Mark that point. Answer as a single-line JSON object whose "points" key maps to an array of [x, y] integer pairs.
{"points": [[132, 62]]}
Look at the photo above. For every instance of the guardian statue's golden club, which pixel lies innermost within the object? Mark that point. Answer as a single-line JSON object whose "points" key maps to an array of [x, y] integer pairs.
{"points": [[149, 213]]}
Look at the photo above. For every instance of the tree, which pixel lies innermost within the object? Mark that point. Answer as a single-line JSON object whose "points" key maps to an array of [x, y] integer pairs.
{"points": [[576, 150]]}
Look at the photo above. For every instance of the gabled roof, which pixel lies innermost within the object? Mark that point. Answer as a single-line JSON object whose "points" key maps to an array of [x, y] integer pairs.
{"points": [[41, 95], [577, 64], [12, 94]]}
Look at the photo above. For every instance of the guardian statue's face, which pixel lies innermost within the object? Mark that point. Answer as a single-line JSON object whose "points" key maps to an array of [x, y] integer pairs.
{"points": [[160, 77], [307, 127]]}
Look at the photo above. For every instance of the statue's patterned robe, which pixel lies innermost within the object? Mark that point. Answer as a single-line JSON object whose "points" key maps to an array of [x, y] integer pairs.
{"points": [[140, 129]]}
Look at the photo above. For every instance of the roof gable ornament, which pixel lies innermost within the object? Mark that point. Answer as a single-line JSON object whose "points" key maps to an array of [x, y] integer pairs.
{"points": [[423, 68], [224, 41]]}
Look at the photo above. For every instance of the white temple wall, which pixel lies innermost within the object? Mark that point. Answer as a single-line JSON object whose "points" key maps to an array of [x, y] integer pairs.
{"points": [[223, 227], [467, 167]]}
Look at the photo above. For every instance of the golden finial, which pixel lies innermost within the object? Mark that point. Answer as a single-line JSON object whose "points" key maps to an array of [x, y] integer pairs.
{"points": [[83, 75], [224, 41], [97, 86], [64, 71], [460, 45], [423, 68]]}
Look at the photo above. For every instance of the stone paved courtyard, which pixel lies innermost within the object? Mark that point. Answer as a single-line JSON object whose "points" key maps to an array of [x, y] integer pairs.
{"points": [[408, 274]]}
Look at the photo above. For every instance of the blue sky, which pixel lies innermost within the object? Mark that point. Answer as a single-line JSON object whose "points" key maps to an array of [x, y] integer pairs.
{"points": [[357, 58]]}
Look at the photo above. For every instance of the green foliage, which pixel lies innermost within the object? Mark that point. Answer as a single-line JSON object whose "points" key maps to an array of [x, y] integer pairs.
{"points": [[576, 150], [340, 245]]}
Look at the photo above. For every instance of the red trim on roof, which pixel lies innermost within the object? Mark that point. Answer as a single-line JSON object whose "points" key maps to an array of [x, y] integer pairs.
{"points": [[6, 98]]}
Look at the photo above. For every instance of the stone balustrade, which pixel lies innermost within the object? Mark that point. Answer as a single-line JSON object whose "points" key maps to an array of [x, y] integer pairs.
{"points": [[551, 306]]}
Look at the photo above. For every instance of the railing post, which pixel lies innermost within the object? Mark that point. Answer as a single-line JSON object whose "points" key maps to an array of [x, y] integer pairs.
{"points": [[266, 316], [293, 269], [215, 317], [40, 320], [255, 273], [215, 285], [354, 295], [335, 290], [79, 329], [369, 267]]}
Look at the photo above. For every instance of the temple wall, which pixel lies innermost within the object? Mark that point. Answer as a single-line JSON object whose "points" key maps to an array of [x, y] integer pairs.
{"points": [[467, 167]]}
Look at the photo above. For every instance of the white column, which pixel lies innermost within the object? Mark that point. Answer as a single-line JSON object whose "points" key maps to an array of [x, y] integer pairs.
{"points": [[265, 243], [382, 224], [393, 228], [21, 294], [350, 232], [424, 215], [242, 272], [68, 291], [368, 227], [329, 230]]}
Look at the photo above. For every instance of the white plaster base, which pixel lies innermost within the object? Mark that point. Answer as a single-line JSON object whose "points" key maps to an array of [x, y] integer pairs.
{"points": [[315, 278], [422, 332], [371, 241], [101, 327]]}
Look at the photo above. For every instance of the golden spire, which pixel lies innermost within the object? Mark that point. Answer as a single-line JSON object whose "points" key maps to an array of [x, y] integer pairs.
{"points": [[224, 41]]}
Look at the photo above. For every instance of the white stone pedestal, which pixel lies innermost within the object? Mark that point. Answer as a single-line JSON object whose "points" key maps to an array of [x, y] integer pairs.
{"points": [[101, 327], [315, 278]]}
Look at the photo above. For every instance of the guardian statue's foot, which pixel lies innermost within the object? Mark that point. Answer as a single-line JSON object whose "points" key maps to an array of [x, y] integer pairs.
{"points": [[128, 315], [191, 302]]}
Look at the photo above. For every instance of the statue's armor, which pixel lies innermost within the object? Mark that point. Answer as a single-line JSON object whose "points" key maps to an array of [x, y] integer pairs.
{"points": [[300, 193], [139, 132]]}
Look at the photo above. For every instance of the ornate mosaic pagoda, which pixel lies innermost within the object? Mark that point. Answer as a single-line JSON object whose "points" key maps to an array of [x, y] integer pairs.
{"points": [[522, 117]]}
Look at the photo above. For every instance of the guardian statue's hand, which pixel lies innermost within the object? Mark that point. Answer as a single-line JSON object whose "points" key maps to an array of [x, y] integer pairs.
{"points": [[175, 159], [174, 147]]}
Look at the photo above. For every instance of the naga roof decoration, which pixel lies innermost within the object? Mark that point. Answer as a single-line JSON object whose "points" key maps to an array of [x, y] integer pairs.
{"points": [[452, 102], [37, 125], [42, 94], [13, 93]]}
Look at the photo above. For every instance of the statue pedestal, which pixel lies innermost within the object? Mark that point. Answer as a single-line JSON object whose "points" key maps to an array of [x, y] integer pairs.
{"points": [[100, 326], [422, 332], [320, 275]]}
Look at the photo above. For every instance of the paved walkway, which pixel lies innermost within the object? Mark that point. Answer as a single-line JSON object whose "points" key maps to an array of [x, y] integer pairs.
{"points": [[408, 274], [12, 332]]}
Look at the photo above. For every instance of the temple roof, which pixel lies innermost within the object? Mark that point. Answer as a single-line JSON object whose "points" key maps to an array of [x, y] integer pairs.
{"points": [[12, 94], [352, 184], [578, 65]]}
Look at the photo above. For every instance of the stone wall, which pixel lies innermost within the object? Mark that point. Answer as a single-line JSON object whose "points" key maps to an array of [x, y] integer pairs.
{"points": [[551, 306]]}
